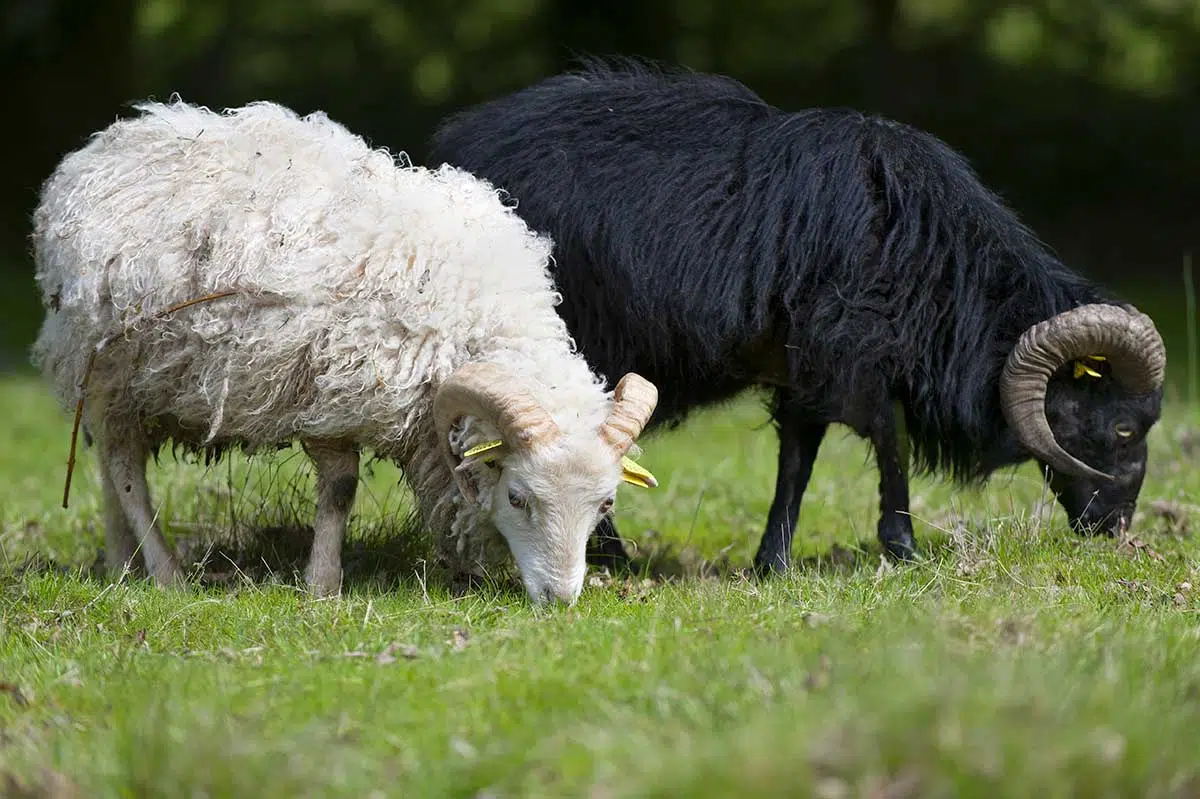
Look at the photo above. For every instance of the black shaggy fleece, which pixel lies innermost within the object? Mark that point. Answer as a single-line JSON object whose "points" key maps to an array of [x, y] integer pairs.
{"points": [[700, 232]]}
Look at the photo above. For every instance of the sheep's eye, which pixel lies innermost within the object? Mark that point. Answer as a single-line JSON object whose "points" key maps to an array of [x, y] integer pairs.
{"points": [[516, 500], [1123, 430], [606, 505]]}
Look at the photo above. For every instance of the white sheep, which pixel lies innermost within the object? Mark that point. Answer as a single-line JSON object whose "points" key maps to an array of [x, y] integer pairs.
{"points": [[351, 303]]}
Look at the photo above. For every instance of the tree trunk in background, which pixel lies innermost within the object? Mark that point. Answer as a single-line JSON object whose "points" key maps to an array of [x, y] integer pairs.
{"points": [[68, 69]]}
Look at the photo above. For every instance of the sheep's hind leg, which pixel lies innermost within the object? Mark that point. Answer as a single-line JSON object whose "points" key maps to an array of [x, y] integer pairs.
{"points": [[891, 454], [120, 544], [337, 484], [124, 452], [799, 442]]}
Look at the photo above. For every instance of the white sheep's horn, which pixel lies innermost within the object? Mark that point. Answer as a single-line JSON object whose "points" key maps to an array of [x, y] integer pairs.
{"points": [[634, 400], [1125, 337], [488, 392]]}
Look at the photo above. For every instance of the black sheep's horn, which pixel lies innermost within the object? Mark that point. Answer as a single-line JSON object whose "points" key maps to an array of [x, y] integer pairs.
{"points": [[1126, 337]]}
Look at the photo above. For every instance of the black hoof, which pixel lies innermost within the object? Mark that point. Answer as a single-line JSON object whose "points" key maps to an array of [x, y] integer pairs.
{"points": [[901, 548], [770, 563], [897, 539]]}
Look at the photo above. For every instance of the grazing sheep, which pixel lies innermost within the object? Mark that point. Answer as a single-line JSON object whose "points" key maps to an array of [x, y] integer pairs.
{"points": [[850, 264], [346, 302]]}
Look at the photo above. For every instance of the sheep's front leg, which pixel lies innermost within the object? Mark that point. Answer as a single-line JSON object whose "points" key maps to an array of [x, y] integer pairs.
{"points": [[123, 454], [337, 483], [799, 442]]}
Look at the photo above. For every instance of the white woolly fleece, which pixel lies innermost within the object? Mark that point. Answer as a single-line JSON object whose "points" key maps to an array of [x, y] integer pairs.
{"points": [[362, 285]]}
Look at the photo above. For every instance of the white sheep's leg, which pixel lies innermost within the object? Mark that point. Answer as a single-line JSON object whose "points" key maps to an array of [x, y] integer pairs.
{"points": [[120, 545], [124, 452], [337, 483]]}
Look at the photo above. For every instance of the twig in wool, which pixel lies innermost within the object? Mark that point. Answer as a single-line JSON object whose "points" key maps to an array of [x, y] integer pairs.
{"points": [[87, 373]]}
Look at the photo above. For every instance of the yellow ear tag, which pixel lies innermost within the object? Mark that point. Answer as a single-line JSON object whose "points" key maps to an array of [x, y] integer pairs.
{"points": [[479, 449], [636, 475], [1081, 367]]}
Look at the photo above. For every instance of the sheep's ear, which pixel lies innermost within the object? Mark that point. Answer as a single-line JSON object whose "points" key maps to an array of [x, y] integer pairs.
{"points": [[636, 475], [489, 450], [467, 473], [466, 481]]}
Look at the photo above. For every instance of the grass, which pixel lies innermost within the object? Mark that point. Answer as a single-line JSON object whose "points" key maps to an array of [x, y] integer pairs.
{"points": [[1014, 659]]}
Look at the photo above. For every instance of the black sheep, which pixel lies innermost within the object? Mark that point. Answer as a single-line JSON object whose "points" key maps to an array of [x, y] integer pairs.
{"points": [[854, 265]]}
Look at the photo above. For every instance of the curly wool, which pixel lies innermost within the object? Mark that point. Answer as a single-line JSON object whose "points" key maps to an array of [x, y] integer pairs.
{"points": [[361, 284]]}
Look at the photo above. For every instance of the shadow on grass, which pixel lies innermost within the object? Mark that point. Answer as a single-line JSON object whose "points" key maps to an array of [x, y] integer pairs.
{"points": [[661, 560], [268, 554], [278, 553], [379, 560]]}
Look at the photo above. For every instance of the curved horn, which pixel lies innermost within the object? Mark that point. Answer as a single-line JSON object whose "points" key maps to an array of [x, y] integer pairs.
{"points": [[1125, 336], [634, 400], [489, 392]]}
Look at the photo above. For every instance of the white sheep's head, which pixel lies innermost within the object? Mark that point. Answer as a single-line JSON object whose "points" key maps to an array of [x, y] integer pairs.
{"points": [[545, 491]]}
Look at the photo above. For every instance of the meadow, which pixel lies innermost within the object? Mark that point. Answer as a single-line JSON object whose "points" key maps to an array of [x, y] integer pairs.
{"points": [[1014, 658]]}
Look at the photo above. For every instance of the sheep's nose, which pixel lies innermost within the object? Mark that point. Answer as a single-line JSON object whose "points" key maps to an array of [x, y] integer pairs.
{"points": [[561, 594]]}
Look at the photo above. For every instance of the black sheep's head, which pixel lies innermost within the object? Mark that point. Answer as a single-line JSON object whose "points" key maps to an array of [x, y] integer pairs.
{"points": [[1081, 391], [1102, 424]]}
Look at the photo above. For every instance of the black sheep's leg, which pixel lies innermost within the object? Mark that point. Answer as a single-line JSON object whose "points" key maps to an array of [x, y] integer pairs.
{"points": [[799, 441], [605, 547], [891, 454]]}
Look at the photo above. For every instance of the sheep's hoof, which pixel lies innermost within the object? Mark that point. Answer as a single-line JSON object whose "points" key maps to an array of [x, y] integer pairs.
{"points": [[898, 541], [118, 566], [167, 574], [324, 583], [769, 562]]}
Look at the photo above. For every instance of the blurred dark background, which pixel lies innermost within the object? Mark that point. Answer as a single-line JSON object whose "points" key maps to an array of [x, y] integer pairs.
{"points": [[1082, 113]]}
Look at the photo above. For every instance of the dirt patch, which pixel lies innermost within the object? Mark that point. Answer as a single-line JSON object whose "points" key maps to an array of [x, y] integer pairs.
{"points": [[1171, 517], [47, 785], [659, 559], [1136, 548], [13, 692], [628, 587], [1188, 441]]}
